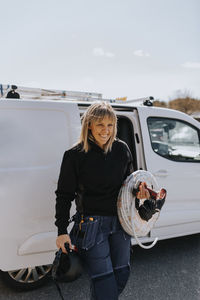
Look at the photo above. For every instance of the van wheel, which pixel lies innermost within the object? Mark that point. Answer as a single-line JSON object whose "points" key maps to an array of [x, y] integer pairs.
{"points": [[28, 278]]}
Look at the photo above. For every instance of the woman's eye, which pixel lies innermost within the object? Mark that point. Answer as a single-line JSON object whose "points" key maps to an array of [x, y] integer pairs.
{"points": [[102, 125]]}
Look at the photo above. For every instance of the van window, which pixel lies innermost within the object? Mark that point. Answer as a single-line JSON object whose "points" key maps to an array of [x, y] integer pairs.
{"points": [[174, 139]]}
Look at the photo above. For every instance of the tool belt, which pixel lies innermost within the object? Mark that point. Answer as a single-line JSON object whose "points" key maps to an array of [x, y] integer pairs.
{"points": [[86, 231]]}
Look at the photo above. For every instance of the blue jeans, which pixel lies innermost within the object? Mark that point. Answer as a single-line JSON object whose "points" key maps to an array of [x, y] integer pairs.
{"points": [[107, 261]]}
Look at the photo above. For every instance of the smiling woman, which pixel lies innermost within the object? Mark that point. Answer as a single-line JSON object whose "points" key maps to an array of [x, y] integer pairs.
{"points": [[92, 173], [102, 130]]}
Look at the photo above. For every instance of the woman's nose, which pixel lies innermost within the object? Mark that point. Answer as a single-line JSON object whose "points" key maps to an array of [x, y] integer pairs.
{"points": [[105, 129]]}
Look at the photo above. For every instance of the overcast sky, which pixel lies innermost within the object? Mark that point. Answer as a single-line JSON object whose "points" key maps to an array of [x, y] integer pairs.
{"points": [[120, 48]]}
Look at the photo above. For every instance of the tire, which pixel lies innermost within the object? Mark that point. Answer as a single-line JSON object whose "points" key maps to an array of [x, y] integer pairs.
{"points": [[28, 278]]}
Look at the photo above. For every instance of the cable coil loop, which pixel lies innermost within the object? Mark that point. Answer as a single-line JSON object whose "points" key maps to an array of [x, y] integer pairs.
{"points": [[129, 216]]}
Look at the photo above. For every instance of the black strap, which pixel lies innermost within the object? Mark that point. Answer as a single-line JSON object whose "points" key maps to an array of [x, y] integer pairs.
{"points": [[56, 263], [55, 266], [53, 272], [59, 289]]}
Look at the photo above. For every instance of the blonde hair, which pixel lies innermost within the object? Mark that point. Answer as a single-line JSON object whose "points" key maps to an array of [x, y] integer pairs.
{"points": [[96, 112]]}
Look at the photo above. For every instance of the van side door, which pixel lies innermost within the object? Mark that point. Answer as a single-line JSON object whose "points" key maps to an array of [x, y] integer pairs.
{"points": [[171, 142]]}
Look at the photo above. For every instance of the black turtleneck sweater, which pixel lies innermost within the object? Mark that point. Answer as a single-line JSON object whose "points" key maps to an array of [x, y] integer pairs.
{"points": [[93, 179]]}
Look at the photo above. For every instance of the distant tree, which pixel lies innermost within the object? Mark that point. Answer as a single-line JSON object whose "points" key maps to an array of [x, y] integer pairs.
{"points": [[182, 101], [187, 105], [160, 103]]}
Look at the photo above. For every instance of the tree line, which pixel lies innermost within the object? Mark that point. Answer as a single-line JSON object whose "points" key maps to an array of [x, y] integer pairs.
{"points": [[186, 104]]}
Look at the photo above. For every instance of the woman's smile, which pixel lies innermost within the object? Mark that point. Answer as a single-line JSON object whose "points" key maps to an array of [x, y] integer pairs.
{"points": [[102, 130]]}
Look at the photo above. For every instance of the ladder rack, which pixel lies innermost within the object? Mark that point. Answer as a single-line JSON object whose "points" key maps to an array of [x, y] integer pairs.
{"points": [[50, 94]]}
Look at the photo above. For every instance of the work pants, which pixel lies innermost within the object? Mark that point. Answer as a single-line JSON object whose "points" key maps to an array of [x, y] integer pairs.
{"points": [[108, 261]]}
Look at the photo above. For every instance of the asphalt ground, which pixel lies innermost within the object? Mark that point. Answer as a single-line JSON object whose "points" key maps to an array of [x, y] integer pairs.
{"points": [[169, 271]]}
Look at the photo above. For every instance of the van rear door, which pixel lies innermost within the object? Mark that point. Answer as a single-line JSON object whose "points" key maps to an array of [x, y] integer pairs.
{"points": [[34, 136], [171, 142]]}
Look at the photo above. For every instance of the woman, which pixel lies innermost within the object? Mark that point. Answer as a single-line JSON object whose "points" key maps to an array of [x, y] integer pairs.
{"points": [[92, 173]]}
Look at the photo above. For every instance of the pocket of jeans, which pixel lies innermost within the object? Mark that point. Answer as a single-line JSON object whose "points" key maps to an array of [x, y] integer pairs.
{"points": [[90, 236], [86, 235]]}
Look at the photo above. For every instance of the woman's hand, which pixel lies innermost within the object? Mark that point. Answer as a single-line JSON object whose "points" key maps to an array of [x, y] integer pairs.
{"points": [[143, 192], [61, 240]]}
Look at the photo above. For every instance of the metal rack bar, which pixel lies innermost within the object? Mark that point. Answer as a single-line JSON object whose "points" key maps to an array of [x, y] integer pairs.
{"points": [[51, 94]]}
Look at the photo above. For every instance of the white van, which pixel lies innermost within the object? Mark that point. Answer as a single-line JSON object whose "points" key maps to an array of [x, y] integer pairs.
{"points": [[33, 137]]}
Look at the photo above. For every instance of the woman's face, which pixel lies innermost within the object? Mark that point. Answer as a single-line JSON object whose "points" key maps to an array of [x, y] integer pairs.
{"points": [[102, 130]]}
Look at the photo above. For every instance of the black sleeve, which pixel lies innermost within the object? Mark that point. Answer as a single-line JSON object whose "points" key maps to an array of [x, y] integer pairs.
{"points": [[130, 168], [65, 193]]}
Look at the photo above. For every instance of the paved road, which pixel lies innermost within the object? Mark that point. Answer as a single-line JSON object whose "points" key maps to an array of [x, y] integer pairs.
{"points": [[169, 271]]}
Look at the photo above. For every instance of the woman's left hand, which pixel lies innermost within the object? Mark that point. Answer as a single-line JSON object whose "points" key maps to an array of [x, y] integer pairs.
{"points": [[143, 192]]}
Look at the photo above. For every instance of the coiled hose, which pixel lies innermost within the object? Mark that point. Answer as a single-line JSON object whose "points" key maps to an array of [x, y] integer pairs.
{"points": [[127, 212]]}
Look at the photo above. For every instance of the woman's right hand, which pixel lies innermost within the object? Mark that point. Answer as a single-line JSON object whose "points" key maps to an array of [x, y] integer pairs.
{"points": [[61, 240]]}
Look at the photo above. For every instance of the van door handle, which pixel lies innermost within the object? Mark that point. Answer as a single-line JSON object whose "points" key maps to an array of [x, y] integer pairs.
{"points": [[161, 173]]}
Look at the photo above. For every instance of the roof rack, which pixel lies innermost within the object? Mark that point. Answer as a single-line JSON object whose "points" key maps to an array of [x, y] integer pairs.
{"points": [[147, 101], [51, 94]]}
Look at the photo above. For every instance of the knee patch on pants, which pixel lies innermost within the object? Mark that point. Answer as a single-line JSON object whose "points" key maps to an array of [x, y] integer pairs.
{"points": [[104, 287], [121, 277]]}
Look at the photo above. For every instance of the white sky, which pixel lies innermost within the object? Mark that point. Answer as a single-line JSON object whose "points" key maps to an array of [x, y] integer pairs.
{"points": [[131, 48]]}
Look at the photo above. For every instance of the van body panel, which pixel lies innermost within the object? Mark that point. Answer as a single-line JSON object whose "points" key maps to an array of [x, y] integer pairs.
{"points": [[37, 243], [34, 137]]}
